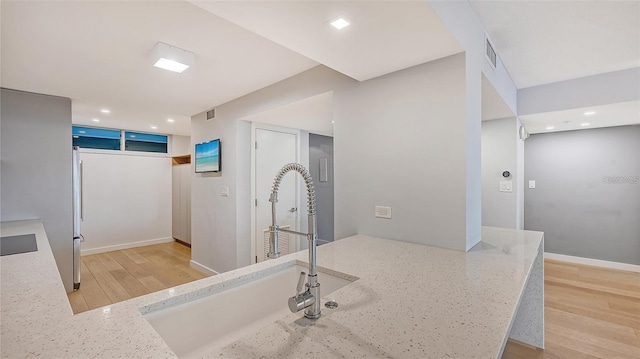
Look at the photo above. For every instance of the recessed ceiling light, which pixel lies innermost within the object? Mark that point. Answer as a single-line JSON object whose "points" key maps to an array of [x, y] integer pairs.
{"points": [[333, 121], [96, 120], [340, 23], [154, 127], [584, 124], [589, 113], [171, 120], [171, 58], [104, 110], [550, 127], [170, 65]]}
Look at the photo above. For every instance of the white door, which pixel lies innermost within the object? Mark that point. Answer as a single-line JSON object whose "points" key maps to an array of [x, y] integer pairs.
{"points": [[273, 150]]}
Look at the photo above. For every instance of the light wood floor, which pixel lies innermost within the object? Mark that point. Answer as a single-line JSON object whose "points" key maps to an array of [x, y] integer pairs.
{"points": [[590, 312], [112, 277]]}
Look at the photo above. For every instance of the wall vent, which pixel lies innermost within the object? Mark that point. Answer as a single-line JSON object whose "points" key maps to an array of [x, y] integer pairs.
{"points": [[211, 114], [489, 52]]}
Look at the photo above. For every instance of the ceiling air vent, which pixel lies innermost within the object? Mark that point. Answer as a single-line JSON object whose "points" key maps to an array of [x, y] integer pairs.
{"points": [[489, 52], [211, 114]]}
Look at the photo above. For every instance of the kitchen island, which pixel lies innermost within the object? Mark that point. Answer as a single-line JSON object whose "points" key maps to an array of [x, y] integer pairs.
{"points": [[410, 301]]}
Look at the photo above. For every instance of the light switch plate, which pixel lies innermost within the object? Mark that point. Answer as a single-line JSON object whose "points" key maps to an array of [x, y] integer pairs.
{"points": [[532, 184], [383, 212], [505, 186], [224, 191]]}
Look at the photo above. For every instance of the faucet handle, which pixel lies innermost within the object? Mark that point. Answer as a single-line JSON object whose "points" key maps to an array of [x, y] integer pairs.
{"points": [[300, 283]]}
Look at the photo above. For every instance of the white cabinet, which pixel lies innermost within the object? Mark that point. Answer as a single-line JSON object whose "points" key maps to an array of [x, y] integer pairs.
{"points": [[181, 195]]}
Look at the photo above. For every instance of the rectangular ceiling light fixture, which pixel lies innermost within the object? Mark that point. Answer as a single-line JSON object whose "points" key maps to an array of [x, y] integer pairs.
{"points": [[171, 58]]}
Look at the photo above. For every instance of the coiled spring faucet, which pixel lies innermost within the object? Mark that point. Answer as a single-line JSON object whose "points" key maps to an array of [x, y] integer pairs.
{"points": [[309, 299]]}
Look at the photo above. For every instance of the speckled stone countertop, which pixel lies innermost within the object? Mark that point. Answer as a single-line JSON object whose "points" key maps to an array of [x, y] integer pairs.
{"points": [[410, 301]]}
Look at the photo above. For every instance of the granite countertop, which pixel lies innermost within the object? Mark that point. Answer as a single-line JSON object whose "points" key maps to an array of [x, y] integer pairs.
{"points": [[410, 301]]}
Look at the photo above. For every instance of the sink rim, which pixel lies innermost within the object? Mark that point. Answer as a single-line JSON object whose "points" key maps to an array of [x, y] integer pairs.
{"points": [[226, 284]]}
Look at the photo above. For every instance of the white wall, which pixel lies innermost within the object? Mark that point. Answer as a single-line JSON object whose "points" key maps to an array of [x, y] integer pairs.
{"points": [[601, 89], [465, 25], [36, 169], [313, 114], [220, 226], [429, 97], [520, 178], [180, 145], [400, 142], [499, 154], [127, 200]]}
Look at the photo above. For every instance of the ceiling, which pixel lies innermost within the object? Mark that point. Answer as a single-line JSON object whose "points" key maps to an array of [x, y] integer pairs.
{"points": [[619, 114], [542, 41], [97, 54], [384, 36]]}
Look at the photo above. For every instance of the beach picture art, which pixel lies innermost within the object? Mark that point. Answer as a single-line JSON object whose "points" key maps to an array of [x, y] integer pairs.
{"points": [[208, 156]]}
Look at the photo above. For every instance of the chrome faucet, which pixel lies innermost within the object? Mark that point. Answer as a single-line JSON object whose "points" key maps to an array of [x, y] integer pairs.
{"points": [[309, 300]]}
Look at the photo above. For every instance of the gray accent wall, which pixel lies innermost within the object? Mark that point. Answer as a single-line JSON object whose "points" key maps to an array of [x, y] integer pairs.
{"points": [[322, 147], [36, 169], [587, 195]]}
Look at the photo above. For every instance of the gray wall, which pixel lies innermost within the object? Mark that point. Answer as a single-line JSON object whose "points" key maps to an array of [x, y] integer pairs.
{"points": [[36, 169], [587, 195], [322, 147], [499, 154]]}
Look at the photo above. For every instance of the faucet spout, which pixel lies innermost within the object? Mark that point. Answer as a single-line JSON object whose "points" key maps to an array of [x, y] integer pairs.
{"points": [[310, 299]]}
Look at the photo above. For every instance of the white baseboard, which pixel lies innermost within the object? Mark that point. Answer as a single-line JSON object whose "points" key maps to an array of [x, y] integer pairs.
{"points": [[202, 268], [592, 262], [117, 247]]}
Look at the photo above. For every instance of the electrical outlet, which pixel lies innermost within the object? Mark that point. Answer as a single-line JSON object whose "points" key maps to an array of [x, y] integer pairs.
{"points": [[383, 212], [224, 191]]}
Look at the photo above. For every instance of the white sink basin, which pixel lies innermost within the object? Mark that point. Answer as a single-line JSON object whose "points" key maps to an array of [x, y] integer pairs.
{"points": [[212, 321]]}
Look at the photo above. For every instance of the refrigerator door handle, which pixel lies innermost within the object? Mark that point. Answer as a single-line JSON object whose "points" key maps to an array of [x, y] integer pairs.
{"points": [[81, 191]]}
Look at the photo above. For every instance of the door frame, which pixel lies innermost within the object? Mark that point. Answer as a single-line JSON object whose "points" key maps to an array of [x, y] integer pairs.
{"points": [[298, 133]]}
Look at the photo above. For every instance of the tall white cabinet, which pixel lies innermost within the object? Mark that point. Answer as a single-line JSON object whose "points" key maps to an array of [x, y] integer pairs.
{"points": [[181, 195]]}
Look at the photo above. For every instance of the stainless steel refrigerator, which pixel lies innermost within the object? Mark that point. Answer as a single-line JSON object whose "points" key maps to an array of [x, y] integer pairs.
{"points": [[77, 215]]}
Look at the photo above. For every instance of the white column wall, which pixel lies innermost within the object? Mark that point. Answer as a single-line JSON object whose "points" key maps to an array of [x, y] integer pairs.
{"points": [[400, 142]]}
